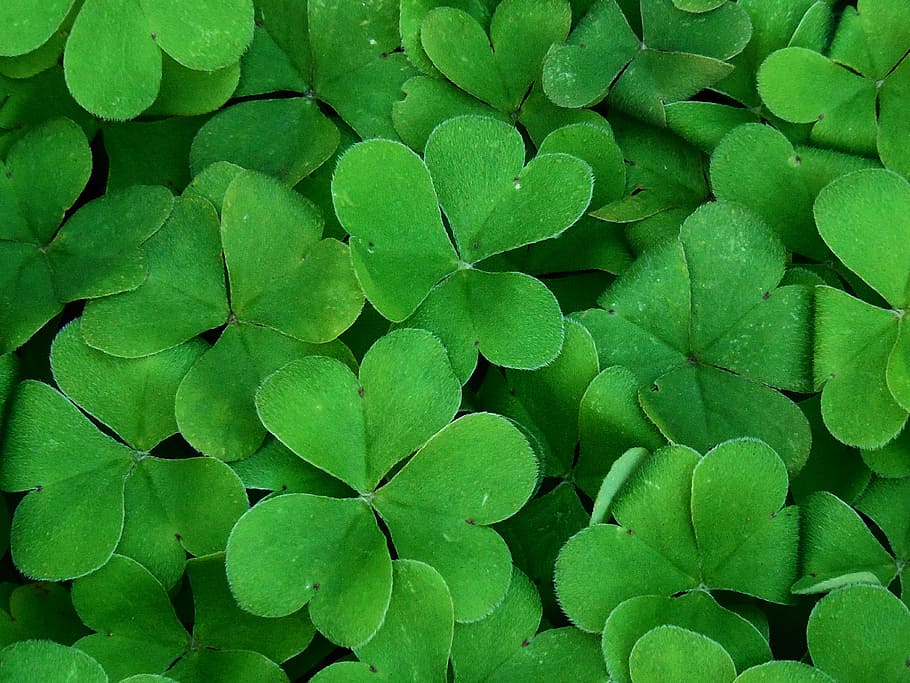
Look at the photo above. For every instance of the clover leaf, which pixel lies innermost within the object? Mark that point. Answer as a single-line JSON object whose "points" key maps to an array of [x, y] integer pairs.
{"points": [[270, 239], [853, 96], [415, 638], [892, 459], [758, 167], [345, 54], [91, 494], [678, 55], [858, 629], [436, 506], [684, 523], [874, 202], [94, 254], [498, 69], [783, 671], [667, 649], [702, 324], [49, 661], [696, 612], [554, 654], [480, 647], [405, 260], [124, 42], [35, 611], [149, 638]]}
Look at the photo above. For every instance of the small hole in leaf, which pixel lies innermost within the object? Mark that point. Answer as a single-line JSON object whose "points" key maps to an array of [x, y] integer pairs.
{"points": [[476, 342], [766, 296], [470, 521], [284, 487], [798, 159], [154, 36], [373, 669], [773, 515], [178, 537], [655, 388], [611, 312], [630, 532], [315, 586], [582, 45], [360, 392], [821, 117], [383, 55], [813, 574], [525, 642]]}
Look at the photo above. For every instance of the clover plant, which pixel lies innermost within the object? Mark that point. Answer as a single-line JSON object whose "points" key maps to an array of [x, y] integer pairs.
{"points": [[470, 341]]}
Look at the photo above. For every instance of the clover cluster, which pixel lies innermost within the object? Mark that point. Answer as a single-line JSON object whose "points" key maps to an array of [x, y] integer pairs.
{"points": [[455, 340]]}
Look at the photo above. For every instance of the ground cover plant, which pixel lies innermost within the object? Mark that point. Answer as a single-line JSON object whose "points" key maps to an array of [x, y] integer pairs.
{"points": [[455, 340]]}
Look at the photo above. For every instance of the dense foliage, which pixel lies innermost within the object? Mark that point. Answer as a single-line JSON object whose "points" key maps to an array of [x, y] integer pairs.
{"points": [[468, 340]]}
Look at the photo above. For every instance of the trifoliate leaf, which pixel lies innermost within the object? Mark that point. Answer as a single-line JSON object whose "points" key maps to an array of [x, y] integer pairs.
{"points": [[183, 295], [75, 475], [49, 662], [299, 549], [697, 612], [480, 647], [858, 629], [415, 639], [498, 69], [134, 397], [146, 638], [220, 624], [438, 506], [664, 651], [216, 412]]}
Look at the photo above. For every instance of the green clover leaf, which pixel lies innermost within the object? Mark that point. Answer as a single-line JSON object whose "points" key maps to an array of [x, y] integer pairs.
{"points": [[874, 200], [498, 69], [702, 325], [552, 655], [28, 24], [666, 650], [480, 647], [858, 629], [891, 460], [49, 661], [92, 494], [853, 97], [783, 671], [38, 611], [345, 54], [696, 612], [684, 523], [270, 237], [402, 254], [147, 638], [436, 507], [679, 54], [124, 41], [97, 251]]}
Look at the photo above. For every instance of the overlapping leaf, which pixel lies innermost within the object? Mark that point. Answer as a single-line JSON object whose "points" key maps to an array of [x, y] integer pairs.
{"points": [[865, 379], [684, 523], [408, 266], [702, 324]]}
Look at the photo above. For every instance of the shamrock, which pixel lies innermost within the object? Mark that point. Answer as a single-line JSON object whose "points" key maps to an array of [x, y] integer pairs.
{"points": [[92, 495], [415, 639], [149, 638], [330, 553], [855, 97], [684, 523], [838, 547], [96, 252], [113, 56], [758, 167], [859, 629], [678, 55], [865, 396], [701, 324], [289, 293], [693, 614], [345, 54], [388, 199]]}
